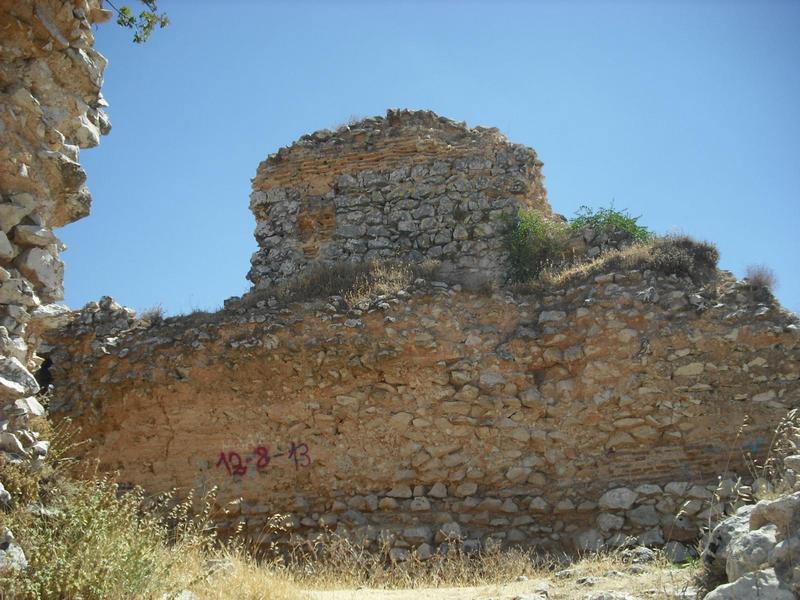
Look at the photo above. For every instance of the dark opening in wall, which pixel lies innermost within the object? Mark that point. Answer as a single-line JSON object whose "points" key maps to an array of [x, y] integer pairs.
{"points": [[43, 376]]}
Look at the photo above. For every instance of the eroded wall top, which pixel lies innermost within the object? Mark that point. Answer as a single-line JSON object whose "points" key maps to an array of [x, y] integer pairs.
{"points": [[411, 185]]}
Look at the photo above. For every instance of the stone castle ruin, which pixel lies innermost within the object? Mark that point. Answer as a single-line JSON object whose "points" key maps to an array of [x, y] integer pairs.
{"points": [[584, 415], [410, 186]]}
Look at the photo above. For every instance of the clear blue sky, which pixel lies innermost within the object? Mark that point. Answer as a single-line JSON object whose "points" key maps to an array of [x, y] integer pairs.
{"points": [[687, 113]]}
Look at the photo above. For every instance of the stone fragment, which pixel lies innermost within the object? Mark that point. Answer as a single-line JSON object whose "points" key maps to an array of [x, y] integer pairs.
{"points": [[15, 380], [11, 214], [618, 498], [449, 531], [42, 267], [468, 488], [438, 490], [758, 585], [10, 443], [715, 554], [50, 316], [34, 235], [29, 407], [782, 512], [690, 370], [7, 250], [5, 497], [750, 552], [424, 551], [652, 537], [552, 316], [676, 552], [588, 540], [644, 516], [420, 504], [609, 522], [12, 558], [416, 535], [400, 491]]}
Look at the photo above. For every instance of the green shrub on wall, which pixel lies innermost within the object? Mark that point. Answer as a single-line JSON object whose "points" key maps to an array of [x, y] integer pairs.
{"points": [[535, 243], [540, 247], [608, 220]]}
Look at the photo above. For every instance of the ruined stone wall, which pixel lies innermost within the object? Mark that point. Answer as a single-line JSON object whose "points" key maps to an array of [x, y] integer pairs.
{"points": [[50, 106], [596, 413], [411, 185]]}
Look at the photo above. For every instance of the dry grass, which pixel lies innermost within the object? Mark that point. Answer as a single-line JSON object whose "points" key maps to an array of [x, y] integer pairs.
{"points": [[335, 562], [669, 255], [761, 276], [382, 279], [154, 315], [768, 475], [494, 573], [356, 283]]}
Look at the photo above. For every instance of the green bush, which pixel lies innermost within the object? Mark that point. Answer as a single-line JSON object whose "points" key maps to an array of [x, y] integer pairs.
{"points": [[92, 542], [535, 244], [609, 220]]}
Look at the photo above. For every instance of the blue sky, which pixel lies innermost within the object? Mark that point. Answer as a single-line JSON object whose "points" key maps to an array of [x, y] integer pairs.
{"points": [[686, 113]]}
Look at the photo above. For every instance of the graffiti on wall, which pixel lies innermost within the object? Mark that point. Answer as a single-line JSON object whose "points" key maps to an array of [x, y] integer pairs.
{"points": [[261, 457]]}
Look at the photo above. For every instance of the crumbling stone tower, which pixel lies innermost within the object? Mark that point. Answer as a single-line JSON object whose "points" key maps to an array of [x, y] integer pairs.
{"points": [[410, 186]]}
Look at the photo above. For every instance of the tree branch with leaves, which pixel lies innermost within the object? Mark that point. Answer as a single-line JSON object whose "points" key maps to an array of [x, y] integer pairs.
{"points": [[142, 24]]}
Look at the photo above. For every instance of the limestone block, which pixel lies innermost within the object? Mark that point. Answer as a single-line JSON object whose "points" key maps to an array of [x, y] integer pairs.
{"points": [[589, 540], [45, 269], [757, 585], [783, 512], [691, 370], [34, 235], [751, 551], [7, 250], [15, 380], [618, 498]]}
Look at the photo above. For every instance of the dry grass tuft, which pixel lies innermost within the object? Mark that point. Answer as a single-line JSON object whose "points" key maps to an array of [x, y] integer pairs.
{"points": [[355, 282], [769, 474], [761, 276], [154, 315], [381, 279]]}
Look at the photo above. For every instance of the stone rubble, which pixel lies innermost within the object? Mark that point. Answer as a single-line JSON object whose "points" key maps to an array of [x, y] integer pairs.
{"points": [[757, 550]]}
